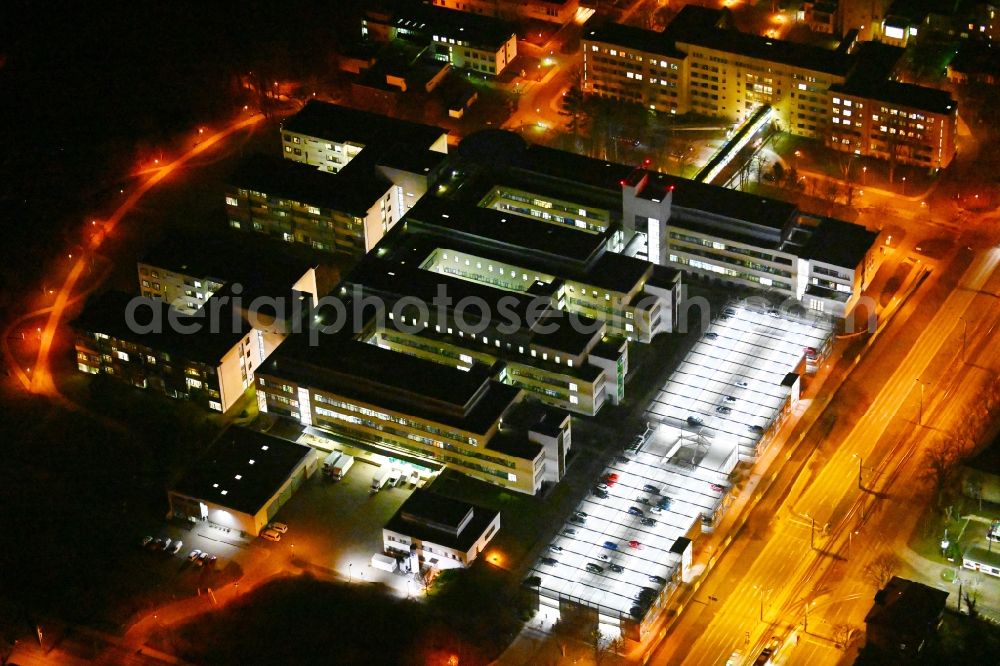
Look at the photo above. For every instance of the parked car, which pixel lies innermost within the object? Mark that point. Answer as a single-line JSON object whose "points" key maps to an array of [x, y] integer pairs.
{"points": [[635, 544], [555, 549], [604, 558], [207, 559], [658, 580], [617, 568], [146, 540], [730, 399], [648, 522], [270, 535], [655, 509], [280, 528], [773, 313], [550, 561], [729, 311], [594, 568], [664, 503], [569, 531], [651, 489], [623, 459], [580, 514], [176, 547], [711, 335], [695, 421], [641, 500], [635, 511], [577, 520], [194, 555], [611, 545], [756, 429], [717, 488], [600, 494], [602, 486], [723, 410], [742, 383]]}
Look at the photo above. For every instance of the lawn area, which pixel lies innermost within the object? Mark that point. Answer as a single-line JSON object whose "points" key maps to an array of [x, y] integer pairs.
{"points": [[301, 620]]}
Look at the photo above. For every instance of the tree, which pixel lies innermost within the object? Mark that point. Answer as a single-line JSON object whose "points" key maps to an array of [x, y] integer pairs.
{"points": [[842, 634], [881, 569], [940, 462], [603, 647]]}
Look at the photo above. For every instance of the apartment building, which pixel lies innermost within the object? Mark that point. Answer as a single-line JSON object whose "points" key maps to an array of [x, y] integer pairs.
{"points": [[909, 20], [157, 348], [328, 136], [702, 64], [470, 41], [403, 404], [635, 65], [898, 122], [186, 270], [348, 178], [551, 11]]}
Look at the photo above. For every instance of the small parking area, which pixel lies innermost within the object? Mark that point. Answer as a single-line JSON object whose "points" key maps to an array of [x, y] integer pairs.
{"points": [[334, 527], [733, 383]]}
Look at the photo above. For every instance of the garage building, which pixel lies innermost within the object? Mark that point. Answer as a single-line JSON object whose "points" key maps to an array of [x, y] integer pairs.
{"points": [[243, 481]]}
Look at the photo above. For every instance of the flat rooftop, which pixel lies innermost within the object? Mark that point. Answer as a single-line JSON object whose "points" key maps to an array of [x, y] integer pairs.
{"points": [[909, 95], [337, 123], [479, 31], [393, 380], [351, 190], [640, 39], [230, 257], [839, 243], [242, 470], [708, 28], [423, 509], [107, 314], [504, 230]]}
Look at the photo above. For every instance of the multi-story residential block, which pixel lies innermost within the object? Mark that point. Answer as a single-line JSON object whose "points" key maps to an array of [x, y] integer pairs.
{"points": [[348, 178], [348, 211], [155, 347], [328, 136], [470, 41], [702, 64], [397, 402], [186, 270], [552, 11], [890, 120]]}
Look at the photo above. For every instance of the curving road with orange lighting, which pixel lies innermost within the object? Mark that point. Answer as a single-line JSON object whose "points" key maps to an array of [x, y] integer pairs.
{"points": [[36, 377]]}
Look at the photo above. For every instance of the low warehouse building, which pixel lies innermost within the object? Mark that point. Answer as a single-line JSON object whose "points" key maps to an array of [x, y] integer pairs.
{"points": [[243, 481], [444, 533]]}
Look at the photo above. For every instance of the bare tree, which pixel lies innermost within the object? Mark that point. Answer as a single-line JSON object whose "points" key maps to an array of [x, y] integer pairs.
{"points": [[603, 647], [940, 462], [881, 569], [971, 598], [842, 633]]}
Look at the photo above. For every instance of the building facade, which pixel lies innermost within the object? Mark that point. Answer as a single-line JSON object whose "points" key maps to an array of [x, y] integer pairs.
{"points": [[701, 64]]}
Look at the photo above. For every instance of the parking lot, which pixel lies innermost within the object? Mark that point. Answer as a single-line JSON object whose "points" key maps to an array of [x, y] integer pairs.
{"points": [[733, 384], [616, 553]]}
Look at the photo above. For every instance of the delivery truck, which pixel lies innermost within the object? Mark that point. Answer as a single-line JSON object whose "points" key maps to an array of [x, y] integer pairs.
{"points": [[384, 562], [340, 468], [380, 479], [330, 462]]}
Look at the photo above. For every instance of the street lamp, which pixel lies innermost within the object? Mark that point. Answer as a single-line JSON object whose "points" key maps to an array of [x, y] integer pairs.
{"points": [[920, 419], [350, 572], [861, 463], [864, 175], [805, 621], [812, 531], [965, 330]]}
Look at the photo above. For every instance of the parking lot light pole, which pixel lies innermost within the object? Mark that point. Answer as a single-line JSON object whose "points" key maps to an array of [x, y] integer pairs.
{"points": [[861, 464], [812, 532], [350, 572]]}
